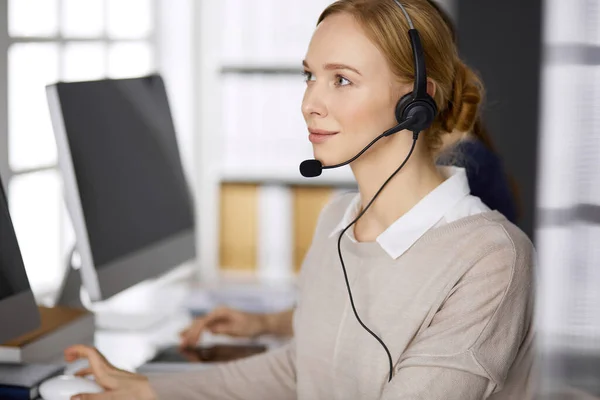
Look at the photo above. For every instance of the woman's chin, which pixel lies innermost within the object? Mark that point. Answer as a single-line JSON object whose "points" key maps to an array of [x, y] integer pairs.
{"points": [[328, 159], [322, 156]]}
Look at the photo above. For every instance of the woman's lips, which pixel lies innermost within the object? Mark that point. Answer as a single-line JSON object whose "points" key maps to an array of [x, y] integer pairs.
{"points": [[320, 136]]}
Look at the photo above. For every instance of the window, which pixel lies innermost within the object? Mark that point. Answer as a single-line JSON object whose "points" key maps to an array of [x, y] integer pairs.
{"points": [[45, 41], [568, 193]]}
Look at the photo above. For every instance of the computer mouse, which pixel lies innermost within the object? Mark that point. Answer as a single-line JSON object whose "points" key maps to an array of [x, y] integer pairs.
{"points": [[64, 386]]}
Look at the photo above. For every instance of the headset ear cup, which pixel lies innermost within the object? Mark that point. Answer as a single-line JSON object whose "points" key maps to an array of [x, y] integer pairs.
{"points": [[401, 106], [422, 112]]}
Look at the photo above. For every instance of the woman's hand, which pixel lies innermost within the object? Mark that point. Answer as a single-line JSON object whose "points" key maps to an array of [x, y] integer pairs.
{"points": [[227, 321], [118, 384]]}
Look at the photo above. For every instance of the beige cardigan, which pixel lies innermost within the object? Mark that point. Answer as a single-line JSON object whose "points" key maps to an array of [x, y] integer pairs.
{"points": [[455, 311]]}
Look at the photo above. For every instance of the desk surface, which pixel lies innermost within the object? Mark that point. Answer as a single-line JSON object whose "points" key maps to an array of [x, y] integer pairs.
{"points": [[130, 350]]}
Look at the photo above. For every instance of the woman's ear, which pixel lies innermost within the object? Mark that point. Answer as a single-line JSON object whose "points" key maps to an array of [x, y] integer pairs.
{"points": [[431, 88]]}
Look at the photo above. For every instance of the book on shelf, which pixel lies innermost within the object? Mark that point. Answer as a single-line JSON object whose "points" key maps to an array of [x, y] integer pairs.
{"points": [[21, 381]]}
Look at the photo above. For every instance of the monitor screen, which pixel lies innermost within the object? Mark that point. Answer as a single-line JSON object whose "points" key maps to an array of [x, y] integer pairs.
{"points": [[18, 310], [127, 165], [13, 278]]}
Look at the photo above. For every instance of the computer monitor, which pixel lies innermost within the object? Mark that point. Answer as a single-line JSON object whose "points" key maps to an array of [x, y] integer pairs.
{"points": [[18, 310], [125, 188]]}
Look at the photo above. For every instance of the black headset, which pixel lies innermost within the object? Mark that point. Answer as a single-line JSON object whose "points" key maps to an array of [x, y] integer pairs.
{"points": [[418, 107]]}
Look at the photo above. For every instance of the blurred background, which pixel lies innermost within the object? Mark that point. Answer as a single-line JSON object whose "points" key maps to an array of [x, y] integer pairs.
{"points": [[233, 75]]}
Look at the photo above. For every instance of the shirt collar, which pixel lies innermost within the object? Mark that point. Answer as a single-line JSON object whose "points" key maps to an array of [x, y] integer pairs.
{"points": [[407, 229]]}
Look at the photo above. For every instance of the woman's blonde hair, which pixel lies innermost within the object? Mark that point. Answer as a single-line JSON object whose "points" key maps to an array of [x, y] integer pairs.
{"points": [[459, 91]]}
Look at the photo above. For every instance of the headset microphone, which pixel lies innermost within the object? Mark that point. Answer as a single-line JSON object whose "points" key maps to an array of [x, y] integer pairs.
{"points": [[312, 168]]}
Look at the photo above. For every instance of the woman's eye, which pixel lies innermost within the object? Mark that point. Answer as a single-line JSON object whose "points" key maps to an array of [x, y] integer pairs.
{"points": [[308, 76], [341, 81]]}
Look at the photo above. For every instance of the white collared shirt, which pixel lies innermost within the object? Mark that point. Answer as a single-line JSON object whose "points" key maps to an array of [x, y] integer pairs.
{"points": [[448, 202]]}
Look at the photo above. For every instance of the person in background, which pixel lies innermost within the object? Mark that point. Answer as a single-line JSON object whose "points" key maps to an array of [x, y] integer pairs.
{"points": [[443, 283], [473, 150]]}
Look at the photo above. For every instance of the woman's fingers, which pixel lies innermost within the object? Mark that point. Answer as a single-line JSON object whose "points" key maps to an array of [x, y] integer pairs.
{"points": [[99, 367]]}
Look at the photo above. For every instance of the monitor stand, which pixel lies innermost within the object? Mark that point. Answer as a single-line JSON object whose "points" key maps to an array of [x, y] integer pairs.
{"points": [[140, 307], [69, 292]]}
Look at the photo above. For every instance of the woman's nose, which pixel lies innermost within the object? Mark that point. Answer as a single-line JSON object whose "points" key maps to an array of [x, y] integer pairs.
{"points": [[313, 104]]}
